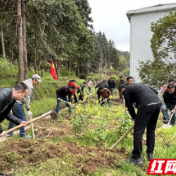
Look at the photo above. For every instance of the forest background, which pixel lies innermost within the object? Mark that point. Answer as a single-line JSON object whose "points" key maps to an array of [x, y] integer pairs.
{"points": [[34, 32]]}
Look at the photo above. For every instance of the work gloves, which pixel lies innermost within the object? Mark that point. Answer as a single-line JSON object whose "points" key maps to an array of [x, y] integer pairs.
{"points": [[29, 113]]}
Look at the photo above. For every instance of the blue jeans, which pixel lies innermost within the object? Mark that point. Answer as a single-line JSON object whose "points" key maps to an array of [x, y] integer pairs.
{"points": [[18, 112], [59, 103], [89, 89], [166, 116]]}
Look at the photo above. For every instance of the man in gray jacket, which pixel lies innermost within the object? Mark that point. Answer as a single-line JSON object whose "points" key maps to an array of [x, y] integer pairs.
{"points": [[18, 109]]}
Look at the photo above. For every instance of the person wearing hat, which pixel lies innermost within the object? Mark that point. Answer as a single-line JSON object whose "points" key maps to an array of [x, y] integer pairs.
{"points": [[18, 109]]}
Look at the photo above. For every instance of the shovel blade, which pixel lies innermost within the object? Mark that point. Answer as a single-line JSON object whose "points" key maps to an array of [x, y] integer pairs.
{"points": [[54, 116]]}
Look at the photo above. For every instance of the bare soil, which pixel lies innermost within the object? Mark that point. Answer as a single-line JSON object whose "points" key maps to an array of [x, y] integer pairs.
{"points": [[85, 159], [48, 129]]}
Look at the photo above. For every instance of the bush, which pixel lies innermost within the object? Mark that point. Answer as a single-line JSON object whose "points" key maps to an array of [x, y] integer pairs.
{"points": [[126, 72], [65, 73]]}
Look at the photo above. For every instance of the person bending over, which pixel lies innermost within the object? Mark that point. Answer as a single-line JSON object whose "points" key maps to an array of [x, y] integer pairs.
{"points": [[105, 93], [148, 105], [8, 97], [169, 97], [62, 93]]}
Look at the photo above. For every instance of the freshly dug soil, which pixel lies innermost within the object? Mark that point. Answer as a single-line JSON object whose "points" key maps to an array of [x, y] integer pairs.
{"points": [[48, 129], [117, 101], [85, 159]]}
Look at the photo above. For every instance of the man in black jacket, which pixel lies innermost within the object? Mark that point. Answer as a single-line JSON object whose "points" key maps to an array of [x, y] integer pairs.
{"points": [[111, 84], [169, 97], [62, 93], [122, 81], [8, 97], [148, 105]]}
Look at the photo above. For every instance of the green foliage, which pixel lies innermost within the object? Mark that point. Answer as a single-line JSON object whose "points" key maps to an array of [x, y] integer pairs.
{"points": [[65, 73], [125, 122], [80, 123], [126, 72], [157, 72]]}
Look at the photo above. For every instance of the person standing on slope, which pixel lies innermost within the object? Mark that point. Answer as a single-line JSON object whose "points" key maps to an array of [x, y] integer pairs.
{"points": [[148, 105]]}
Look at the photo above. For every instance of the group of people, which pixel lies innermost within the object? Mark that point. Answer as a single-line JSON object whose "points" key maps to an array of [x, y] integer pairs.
{"points": [[144, 98], [70, 91]]}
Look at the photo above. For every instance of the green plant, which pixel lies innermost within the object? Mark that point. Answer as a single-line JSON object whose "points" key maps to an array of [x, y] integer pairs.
{"points": [[125, 121], [80, 123]]}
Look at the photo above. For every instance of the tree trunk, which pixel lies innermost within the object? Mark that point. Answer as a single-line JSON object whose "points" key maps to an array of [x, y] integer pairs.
{"points": [[78, 70], [43, 66], [3, 47], [38, 64], [20, 43], [69, 68], [11, 53], [24, 38]]}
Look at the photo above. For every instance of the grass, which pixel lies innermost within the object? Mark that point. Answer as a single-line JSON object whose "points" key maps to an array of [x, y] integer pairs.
{"points": [[44, 99]]}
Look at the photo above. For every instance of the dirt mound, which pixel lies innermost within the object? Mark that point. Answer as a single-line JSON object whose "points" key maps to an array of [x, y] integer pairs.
{"points": [[50, 130], [86, 159], [67, 116]]}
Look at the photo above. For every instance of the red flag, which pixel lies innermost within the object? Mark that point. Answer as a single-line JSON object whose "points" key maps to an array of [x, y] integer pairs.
{"points": [[53, 71]]}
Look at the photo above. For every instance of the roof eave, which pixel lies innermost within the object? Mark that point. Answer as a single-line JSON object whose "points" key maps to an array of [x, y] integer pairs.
{"points": [[133, 12]]}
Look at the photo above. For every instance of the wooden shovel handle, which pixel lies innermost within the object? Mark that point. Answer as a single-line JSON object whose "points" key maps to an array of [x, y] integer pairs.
{"points": [[30, 121], [122, 138], [171, 116]]}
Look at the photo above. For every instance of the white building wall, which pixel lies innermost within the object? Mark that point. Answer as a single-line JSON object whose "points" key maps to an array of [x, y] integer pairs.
{"points": [[140, 39]]}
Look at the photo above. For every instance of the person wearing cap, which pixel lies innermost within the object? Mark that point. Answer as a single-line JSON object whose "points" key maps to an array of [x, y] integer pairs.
{"points": [[18, 109]]}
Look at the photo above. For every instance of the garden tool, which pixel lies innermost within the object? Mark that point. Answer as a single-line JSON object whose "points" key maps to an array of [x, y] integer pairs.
{"points": [[168, 125], [52, 113], [66, 102], [103, 101], [32, 128], [122, 138]]}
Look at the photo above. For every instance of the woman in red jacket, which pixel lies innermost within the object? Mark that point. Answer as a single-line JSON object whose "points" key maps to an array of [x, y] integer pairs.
{"points": [[72, 82]]}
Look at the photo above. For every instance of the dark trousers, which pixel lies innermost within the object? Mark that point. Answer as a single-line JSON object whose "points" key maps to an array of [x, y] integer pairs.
{"points": [[81, 96], [146, 118], [18, 111], [98, 93]]}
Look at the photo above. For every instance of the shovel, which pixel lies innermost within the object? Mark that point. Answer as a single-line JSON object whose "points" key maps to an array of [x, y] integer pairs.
{"points": [[122, 138], [52, 113], [32, 128], [67, 102], [103, 101], [167, 125]]}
